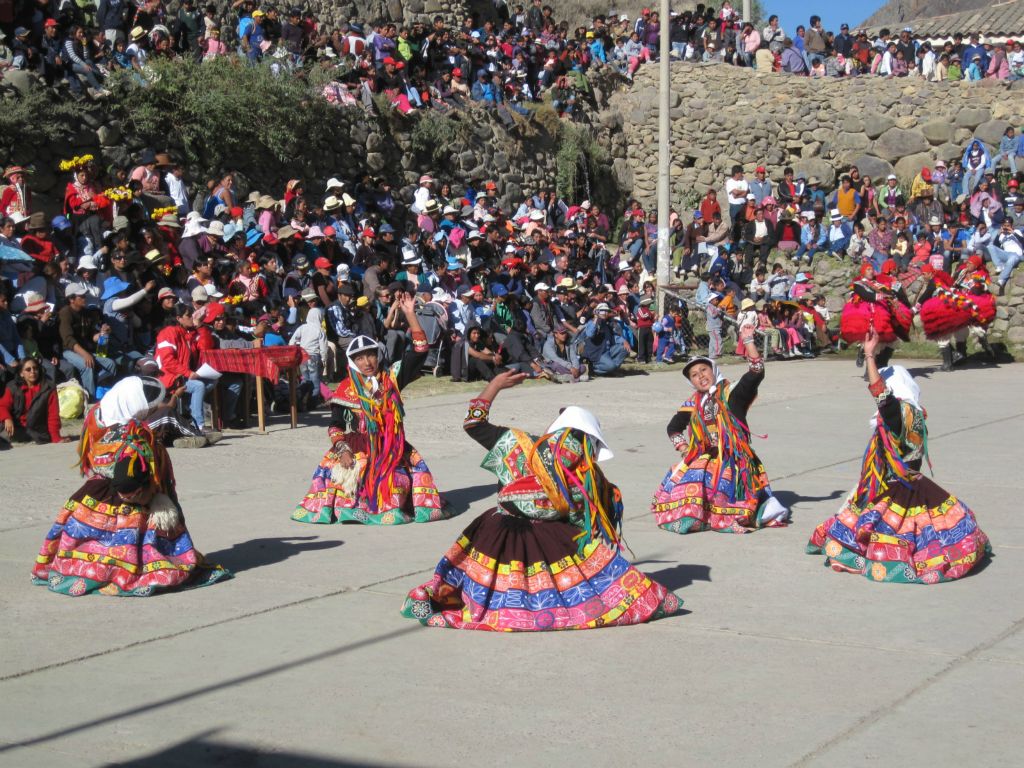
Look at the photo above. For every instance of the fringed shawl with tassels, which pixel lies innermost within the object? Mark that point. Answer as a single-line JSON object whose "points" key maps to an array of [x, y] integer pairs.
{"points": [[887, 455], [101, 449], [727, 436], [557, 476], [382, 417]]}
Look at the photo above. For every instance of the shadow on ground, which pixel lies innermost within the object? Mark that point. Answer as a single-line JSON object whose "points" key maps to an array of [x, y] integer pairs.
{"points": [[257, 553], [681, 575], [460, 499], [199, 752], [788, 499]]}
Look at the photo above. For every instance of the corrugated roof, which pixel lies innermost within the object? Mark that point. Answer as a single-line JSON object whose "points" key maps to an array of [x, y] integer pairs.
{"points": [[1001, 20]]}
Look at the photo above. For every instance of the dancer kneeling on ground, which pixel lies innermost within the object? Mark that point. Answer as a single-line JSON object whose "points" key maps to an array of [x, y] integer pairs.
{"points": [[548, 556], [122, 532], [897, 525], [720, 483], [371, 474]]}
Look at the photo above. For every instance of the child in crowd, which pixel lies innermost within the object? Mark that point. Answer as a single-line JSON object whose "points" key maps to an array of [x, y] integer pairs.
{"points": [[767, 328], [644, 317], [922, 249], [860, 249], [901, 251], [311, 337], [802, 285], [713, 322]]}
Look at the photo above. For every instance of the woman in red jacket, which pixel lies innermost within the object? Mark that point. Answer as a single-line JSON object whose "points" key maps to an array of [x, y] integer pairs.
{"points": [[29, 410]]}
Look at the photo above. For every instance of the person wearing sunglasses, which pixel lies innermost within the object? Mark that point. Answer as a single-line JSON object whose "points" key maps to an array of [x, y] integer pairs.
{"points": [[29, 411]]}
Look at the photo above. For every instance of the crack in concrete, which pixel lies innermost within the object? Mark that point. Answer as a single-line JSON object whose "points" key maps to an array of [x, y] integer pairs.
{"points": [[876, 715], [208, 625]]}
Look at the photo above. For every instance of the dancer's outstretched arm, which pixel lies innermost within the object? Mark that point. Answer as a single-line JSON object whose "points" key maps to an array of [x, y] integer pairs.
{"points": [[477, 423]]}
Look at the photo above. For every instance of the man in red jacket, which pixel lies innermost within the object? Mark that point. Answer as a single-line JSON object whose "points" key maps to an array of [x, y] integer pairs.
{"points": [[176, 356]]}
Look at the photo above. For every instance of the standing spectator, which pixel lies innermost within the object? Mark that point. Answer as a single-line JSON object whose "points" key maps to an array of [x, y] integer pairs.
{"points": [[311, 337], [15, 196], [792, 59], [760, 186]]}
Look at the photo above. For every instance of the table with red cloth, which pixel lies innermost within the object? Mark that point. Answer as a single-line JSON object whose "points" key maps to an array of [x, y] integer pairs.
{"points": [[262, 363]]}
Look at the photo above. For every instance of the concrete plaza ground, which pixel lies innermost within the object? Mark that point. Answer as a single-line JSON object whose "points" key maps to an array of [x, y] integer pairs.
{"points": [[303, 659]]}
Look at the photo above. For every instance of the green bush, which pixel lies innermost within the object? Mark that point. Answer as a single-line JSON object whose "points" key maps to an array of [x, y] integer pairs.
{"points": [[581, 166], [434, 134], [38, 117], [222, 110]]}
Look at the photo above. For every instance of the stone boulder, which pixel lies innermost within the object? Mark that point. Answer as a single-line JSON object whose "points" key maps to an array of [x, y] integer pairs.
{"points": [[908, 167], [972, 117], [937, 131], [872, 166], [992, 131], [899, 142], [824, 171], [875, 125]]}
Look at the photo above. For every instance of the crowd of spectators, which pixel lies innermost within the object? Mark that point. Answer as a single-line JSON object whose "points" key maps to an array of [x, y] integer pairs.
{"points": [[722, 36], [520, 55], [144, 271]]}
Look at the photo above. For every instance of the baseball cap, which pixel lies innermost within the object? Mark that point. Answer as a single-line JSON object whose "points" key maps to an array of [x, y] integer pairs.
{"points": [[199, 294], [322, 263]]}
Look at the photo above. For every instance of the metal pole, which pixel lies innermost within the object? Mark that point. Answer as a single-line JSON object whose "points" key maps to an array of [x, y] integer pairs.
{"points": [[664, 149], [747, 12]]}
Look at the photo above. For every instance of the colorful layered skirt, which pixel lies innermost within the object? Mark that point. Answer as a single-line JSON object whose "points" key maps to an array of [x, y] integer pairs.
{"points": [[685, 502], [947, 312], [892, 320], [100, 545], [914, 533], [510, 573], [415, 498]]}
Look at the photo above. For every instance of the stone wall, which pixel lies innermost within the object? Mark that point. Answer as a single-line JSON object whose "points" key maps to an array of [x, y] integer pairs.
{"points": [[724, 115], [519, 159]]}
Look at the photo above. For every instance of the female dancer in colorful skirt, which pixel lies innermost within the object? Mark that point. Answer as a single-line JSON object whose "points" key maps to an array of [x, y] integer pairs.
{"points": [[897, 525], [720, 483], [371, 474], [879, 302], [548, 556], [122, 532], [951, 308]]}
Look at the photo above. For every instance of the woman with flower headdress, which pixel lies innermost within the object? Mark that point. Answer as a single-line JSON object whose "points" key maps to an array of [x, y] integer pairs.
{"points": [[897, 525], [122, 532], [83, 203], [371, 474], [720, 484], [548, 556]]}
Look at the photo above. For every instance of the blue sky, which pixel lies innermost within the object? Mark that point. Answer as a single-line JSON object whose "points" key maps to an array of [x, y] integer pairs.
{"points": [[794, 12]]}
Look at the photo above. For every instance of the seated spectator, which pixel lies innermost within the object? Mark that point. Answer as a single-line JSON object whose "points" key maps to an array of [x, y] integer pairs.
{"points": [[176, 358], [84, 341], [518, 351], [474, 357], [604, 347], [29, 411], [562, 356]]}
